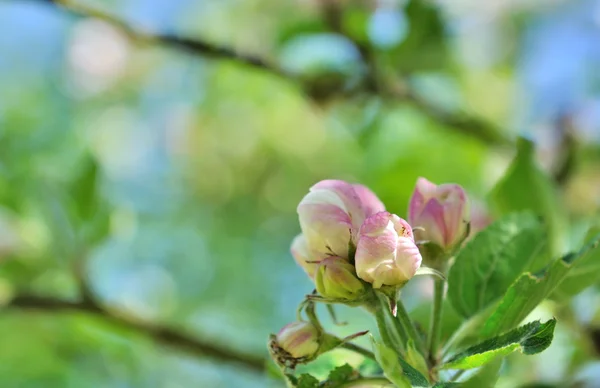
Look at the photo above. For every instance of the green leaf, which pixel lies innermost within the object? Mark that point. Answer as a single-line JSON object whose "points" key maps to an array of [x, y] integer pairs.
{"points": [[390, 363], [414, 376], [339, 376], [584, 273], [89, 211], [526, 187], [425, 45], [485, 377], [415, 359], [491, 261], [531, 338], [529, 290], [307, 381]]}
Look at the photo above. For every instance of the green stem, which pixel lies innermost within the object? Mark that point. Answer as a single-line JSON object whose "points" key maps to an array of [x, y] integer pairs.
{"points": [[409, 327], [433, 339], [357, 349], [395, 330], [383, 328]]}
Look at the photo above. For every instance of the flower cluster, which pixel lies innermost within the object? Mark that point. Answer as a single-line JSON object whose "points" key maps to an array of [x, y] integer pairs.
{"points": [[350, 245], [347, 235]]}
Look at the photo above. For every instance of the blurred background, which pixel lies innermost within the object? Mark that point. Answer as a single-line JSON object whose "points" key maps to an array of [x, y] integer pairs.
{"points": [[152, 157]]}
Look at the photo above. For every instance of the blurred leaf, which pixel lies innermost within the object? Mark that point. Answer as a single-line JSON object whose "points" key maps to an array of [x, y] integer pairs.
{"points": [[529, 290], [531, 338], [90, 211], [302, 27], [492, 260], [339, 376], [526, 187], [388, 359], [52, 203], [354, 23], [485, 377], [584, 273], [425, 46], [307, 381]]}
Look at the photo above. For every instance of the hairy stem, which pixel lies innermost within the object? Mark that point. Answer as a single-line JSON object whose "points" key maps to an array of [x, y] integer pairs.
{"points": [[433, 340], [383, 327], [357, 349], [409, 327]]}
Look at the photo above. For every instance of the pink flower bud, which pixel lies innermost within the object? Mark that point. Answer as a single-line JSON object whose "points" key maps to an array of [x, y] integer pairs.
{"points": [[386, 253], [336, 279], [303, 256], [299, 339], [331, 215], [441, 211]]}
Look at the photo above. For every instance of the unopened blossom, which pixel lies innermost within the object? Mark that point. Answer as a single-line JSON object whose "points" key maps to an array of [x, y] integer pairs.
{"points": [[336, 279], [331, 215], [386, 253], [439, 214], [299, 339], [303, 256]]}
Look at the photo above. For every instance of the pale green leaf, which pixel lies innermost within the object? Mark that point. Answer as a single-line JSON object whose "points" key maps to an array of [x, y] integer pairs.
{"points": [[531, 338], [389, 362], [529, 290], [489, 263], [415, 358], [584, 273], [485, 377], [526, 187]]}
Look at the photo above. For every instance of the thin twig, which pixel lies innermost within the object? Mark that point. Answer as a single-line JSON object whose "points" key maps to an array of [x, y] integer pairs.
{"points": [[462, 122], [160, 334]]}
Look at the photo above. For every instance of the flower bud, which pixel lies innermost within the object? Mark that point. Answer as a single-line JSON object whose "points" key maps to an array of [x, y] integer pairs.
{"points": [[336, 279], [386, 253], [442, 212], [331, 215], [299, 339], [303, 256]]}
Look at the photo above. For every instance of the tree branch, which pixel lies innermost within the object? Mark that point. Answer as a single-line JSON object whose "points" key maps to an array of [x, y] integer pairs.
{"points": [[463, 123], [160, 334]]}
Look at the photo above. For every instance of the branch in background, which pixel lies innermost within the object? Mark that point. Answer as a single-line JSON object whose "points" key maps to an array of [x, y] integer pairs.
{"points": [[160, 334], [463, 123], [193, 46], [567, 152]]}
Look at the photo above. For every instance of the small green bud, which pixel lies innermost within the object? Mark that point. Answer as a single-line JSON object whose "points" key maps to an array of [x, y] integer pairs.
{"points": [[336, 279]]}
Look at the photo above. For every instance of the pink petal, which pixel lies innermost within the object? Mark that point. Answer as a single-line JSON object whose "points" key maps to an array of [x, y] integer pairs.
{"points": [[302, 255], [432, 221], [424, 190], [370, 203]]}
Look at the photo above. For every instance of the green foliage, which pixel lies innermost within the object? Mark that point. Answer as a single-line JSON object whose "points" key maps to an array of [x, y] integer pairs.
{"points": [[415, 358], [531, 338], [414, 376], [584, 272], [307, 381], [425, 47], [388, 359], [485, 377], [490, 262], [339, 376], [530, 290], [525, 187]]}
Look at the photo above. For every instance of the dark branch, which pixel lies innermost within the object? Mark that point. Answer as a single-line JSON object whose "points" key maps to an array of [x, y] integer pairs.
{"points": [[193, 46], [160, 334], [463, 123]]}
